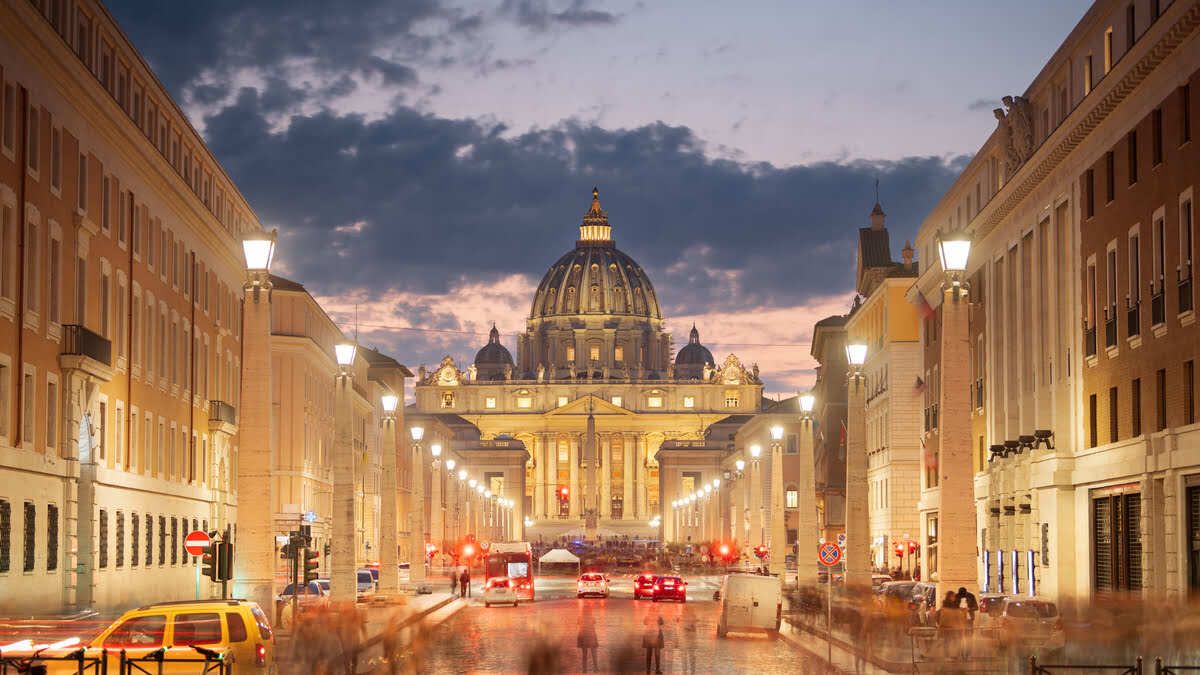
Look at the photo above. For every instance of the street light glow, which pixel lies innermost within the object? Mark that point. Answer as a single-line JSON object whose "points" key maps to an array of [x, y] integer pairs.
{"points": [[740, 464], [436, 450], [716, 483], [344, 353], [471, 483], [755, 450], [807, 401], [259, 250], [417, 432], [776, 432], [954, 249], [462, 474], [389, 401], [450, 464], [856, 353]]}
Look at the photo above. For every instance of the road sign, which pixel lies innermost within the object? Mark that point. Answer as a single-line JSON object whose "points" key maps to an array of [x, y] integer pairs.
{"points": [[842, 540], [196, 542], [829, 555]]}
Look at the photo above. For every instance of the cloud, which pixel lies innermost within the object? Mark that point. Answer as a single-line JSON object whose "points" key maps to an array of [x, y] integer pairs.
{"points": [[983, 104], [539, 16]]}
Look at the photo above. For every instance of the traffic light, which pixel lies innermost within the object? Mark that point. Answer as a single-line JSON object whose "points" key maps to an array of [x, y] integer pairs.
{"points": [[208, 562], [468, 551], [760, 551], [224, 561], [310, 565], [899, 550], [328, 549], [286, 552]]}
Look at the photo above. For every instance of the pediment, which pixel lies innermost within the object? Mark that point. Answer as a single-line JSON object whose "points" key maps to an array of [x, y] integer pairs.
{"points": [[598, 406]]}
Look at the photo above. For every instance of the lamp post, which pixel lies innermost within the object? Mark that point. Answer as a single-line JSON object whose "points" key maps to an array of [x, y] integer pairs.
{"points": [[448, 499], [459, 490], [778, 544], [756, 493], [718, 511], [343, 582], [958, 528], [472, 509], [254, 564], [806, 523], [389, 572], [437, 507], [741, 496], [858, 528], [416, 515]]}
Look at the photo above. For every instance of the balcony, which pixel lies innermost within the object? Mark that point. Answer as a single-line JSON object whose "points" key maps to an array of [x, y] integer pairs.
{"points": [[1186, 302], [1089, 342], [87, 351], [1158, 309], [222, 416], [1133, 319]]}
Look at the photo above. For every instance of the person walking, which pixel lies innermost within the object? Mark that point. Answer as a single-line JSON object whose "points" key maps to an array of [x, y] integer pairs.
{"points": [[465, 584], [951, 623], [969, 605], [687, 629], [454, 582], [587, 642], [653, 642]]}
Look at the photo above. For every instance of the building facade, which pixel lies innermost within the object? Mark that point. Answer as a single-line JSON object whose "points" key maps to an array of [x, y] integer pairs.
{"points": [[829, 446], [120, 268], [1084, 453]]}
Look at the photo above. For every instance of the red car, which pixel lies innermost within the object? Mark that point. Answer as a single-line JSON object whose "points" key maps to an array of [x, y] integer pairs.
{"points": [[670, 588], [643, 586]]}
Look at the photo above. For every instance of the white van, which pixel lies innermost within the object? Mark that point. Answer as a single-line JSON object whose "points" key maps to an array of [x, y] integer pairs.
{"points": [[750, 602]]}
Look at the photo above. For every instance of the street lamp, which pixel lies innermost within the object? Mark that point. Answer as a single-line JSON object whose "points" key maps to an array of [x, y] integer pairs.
{"points": [[858, 530], [741, 465], [807, 401], [954, 249], [345, 468], [417, 433], [755, 451], [778, 527], [416, 530], [389, 572], [777, 433], [856, 355], [435, 450], [462, 475], [344, 353], [806, 517]]}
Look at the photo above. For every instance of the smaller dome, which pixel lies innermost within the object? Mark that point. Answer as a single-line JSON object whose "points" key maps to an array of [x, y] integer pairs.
{"points": [[694, 353], [492, 359]]}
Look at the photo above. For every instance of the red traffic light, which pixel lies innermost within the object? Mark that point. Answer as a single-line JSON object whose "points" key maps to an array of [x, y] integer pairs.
{"points": [[760, 551], [562, 491], [468, 550], [913, 546], [899, 550], [724, 550]]}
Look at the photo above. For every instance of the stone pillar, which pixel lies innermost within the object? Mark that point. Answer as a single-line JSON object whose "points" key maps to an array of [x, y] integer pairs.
{"points": [[757, 535], [744, 516], [958, 532], [541, 477], [778, 529], [254, 552], [640, 470], [628, 450], [604, 466], [858, 530], [389, 573], [573, 495], [416, 517], [343, 579], [806, 527], [437, 506], [552, 476], [737, 505]]}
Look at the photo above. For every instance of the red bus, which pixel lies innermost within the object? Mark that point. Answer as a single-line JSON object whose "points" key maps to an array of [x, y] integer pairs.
{"points": [[513, 559]]}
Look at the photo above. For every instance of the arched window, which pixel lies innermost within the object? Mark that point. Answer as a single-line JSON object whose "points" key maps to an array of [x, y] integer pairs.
{"points": [[791, 497]]}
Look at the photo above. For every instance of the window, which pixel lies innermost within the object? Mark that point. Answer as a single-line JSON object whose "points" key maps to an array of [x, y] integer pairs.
{"points": [[197, 629], [447, 399], [731, 398], [1093, 440], [793, 445], [570, 352], [792, 497], [1160, 231], [1087, 74], [8, 248], [105, 290], [1135, 406], [1135, 274], [28, 391], [562, 400], [5, 536], [134, 541], [5, 400], [1189, 392], [931, 542], [102, 541], [162, 540], [654, 401], [1089, 193], [524, 402], [1156, 137], [236, 626], [51, 537], [1185, 122], [1185, 246], [1110, 181], [8, 119], [594, 352], [619, 354], [52, 415], [1160, 399], [33, 260], [1108, 49], [489, 402], [138, 633], [1113, 407], [120, 541], [32, 149], [102, 429], [617, 401], [149, 539], [55, 159], [1130, 27], [81, 184], [689, 401], [53, 312], [1132, 146]]}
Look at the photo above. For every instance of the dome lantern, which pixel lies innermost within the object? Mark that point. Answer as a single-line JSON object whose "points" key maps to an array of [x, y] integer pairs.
{"points": [[595, 230]]}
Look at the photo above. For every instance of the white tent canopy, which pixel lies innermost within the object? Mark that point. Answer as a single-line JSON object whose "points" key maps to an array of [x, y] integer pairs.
{"points": [[560, 556]]}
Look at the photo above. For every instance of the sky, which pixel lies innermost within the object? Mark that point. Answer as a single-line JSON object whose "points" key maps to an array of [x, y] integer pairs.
{"points": [[425, 161]]}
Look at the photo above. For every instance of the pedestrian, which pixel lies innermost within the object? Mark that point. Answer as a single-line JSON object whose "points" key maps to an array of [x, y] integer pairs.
{"points": [[587, 641], [968, 603], [653, 642], [465, 584], [688, 649], [951, 622]]}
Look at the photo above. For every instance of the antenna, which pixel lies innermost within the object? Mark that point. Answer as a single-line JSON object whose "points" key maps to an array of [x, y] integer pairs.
{"points": [[876, 189]]}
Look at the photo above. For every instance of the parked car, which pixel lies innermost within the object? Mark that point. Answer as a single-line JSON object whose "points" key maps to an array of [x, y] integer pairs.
{"points": [[1035, 624], [643, 586], [499, 590], [750, 602], [366, 584], [924, 602], [670, 588], [308, 596], [878, 580], [592, 583], [240, 626]]}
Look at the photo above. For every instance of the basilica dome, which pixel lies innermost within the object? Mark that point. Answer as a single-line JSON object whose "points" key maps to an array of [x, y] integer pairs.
{"points": [[491, 361], [595, 277]]}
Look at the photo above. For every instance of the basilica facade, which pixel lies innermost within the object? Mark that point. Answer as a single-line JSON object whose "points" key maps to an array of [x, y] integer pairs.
{"points": [[593, 394]]}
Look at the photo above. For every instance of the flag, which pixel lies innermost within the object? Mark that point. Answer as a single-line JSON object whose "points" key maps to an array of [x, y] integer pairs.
{"points": [[923, 306]]}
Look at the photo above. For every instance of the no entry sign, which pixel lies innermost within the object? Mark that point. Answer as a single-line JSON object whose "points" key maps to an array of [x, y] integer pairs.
{"points": [[196, 542], [829, 555]]}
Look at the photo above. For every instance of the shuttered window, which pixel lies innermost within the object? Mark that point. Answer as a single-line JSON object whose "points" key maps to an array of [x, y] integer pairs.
{"points": [[1117, 540], [1193, 510]]}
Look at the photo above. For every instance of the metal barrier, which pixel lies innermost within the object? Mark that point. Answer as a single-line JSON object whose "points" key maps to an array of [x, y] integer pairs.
{"points": [[1161, 668], [1036, 668], [213, 660], [35, 663]]}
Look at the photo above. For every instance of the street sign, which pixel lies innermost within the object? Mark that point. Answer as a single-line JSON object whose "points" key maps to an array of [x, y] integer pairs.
{"points": [[842, 540], [196, 542], [829, 555]]}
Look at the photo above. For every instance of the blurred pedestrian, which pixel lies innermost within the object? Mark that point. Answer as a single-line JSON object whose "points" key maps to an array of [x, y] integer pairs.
{"points": [[465, 581], [653, 642], [687, 630], [951, 623], [587, 641], [969, 605], [454, 581]]}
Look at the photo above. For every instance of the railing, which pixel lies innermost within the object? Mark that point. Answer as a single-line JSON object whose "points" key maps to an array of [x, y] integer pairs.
{"points": [[80, 341], [1185, 291], [220, 411], [1158, 309], [1161, 668], [1089, 341], [83, 663], [1133, 318], [1036, 668]]}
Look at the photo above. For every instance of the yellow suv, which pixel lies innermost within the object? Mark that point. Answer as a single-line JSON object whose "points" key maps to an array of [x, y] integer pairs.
{"points": [[238, 626]]}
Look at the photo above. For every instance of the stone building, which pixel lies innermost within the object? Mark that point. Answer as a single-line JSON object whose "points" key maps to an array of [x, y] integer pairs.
{"points": [[120, 321], [829, 413], [1082, 383]]}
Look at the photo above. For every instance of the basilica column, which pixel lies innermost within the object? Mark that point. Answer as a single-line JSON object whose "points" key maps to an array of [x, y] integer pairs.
{"points": [[627, 453], [604, 466], [552, 476], [640, 468], [575, 482], [539, 476]]}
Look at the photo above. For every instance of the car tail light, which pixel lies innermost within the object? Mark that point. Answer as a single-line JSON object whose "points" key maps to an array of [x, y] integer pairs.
{"points": [[260, 655]]}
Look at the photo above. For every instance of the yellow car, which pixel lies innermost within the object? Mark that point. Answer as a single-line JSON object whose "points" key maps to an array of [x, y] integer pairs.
{"points": [[238, 627]]}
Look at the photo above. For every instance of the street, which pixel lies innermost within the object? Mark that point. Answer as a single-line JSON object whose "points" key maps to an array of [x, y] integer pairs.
{"points": [[501, 639]]}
